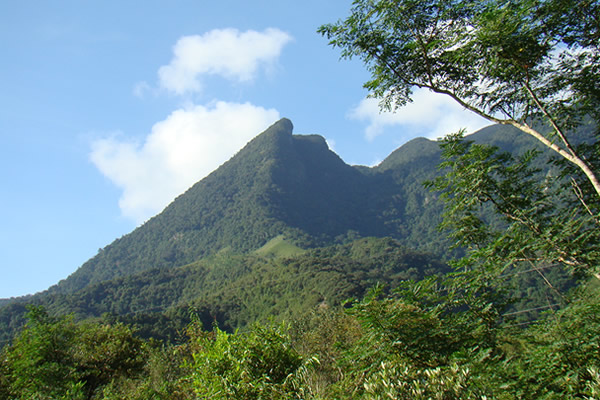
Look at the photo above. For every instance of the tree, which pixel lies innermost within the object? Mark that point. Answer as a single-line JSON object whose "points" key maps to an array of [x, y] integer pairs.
{"points": [[538, 224], [258, 364], [58, 358], [532, 64], [34, 364]]}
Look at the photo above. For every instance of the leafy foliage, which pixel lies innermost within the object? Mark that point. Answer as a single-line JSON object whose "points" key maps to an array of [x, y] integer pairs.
{"points": [[536, 227], [242, 246], [57, 358], [403, 345], [259, 364], [523, 63], [512, 63]]}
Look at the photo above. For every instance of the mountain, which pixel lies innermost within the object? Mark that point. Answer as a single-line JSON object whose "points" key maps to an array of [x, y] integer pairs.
{"points": [[283, 225], [237, 289], [278, 184]]}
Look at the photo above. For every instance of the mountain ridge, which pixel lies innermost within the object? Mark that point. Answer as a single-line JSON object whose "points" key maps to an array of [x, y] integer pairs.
{"points": [[282, 194], [283, 184], [278, 184]]}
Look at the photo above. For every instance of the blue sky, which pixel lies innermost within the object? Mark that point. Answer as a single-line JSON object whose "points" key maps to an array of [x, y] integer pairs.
{"points": [[110, 109]]}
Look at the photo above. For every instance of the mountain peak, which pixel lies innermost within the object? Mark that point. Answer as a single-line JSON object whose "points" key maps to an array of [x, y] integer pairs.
{"points": [[414, 150], [282, 128], [279, 184], [283, 124]]}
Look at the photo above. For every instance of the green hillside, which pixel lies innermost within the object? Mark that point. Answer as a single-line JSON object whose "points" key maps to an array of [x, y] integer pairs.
{"points": [[279, 184], [279, 280], [226, 245], [284, 231], [284, 184]]}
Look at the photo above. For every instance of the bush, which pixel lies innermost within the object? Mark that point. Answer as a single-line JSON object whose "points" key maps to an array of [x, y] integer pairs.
{"points": [[258, 364]]}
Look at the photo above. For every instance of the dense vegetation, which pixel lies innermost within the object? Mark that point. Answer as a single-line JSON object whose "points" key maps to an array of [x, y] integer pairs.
{"points": [[403, 345], [237, 290], [290, 185], [279, 280], [214, 328]]}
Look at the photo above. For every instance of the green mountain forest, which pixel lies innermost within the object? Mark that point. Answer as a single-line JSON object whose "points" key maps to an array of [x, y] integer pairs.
{"points": [[465, 268]]}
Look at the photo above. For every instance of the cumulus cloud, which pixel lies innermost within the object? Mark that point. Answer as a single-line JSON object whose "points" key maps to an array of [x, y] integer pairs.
{"points": [[228, 53], [430, 115], [179, 151]]}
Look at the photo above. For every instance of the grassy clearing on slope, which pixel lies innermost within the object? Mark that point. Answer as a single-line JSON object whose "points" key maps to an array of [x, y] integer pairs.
{"points": [[279, 247]]}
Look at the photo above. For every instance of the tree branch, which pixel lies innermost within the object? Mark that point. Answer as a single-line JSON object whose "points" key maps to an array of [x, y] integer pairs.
{"points": [[573, 158], [557, 129], [570, 155]]}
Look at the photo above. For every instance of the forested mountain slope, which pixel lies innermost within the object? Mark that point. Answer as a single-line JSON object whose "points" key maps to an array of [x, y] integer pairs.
{"points": [[237, 290], [279, 184], [290, 185], [283, 192]]}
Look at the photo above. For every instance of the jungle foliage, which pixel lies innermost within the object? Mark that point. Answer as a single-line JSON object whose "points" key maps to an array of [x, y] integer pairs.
{"points": [[404, 345], [236, 290], [286, 274]]}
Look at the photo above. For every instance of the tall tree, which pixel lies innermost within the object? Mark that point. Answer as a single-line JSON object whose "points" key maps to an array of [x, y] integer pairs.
{"points": [[538, 221], [58, 358], [532, 64]]}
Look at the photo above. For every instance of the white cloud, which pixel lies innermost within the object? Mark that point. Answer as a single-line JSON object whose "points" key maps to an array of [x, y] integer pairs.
{"points": [[430, 114], [180, 150], [226, 52]]}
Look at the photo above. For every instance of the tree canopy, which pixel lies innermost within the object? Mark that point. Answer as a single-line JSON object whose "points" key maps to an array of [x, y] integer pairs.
{"points": [[532, 64]]}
